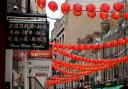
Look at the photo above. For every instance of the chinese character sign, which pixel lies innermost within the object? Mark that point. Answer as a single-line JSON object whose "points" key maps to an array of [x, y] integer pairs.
{"points": [[32, 35]]}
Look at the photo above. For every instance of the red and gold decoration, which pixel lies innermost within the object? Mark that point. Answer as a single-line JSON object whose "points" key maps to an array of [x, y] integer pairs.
{"points": [[108, 44], [65, 8], [126, 15], [91, 14], [104, 7], [19, 55], [115, 15], [118, 6], [103, 15], [77, 9], [90, 8], [52, 5], [41, 3], [73, 71]]}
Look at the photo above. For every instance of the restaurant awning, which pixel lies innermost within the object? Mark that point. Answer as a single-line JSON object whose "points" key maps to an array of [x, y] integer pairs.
{"points": [[114, 87]]}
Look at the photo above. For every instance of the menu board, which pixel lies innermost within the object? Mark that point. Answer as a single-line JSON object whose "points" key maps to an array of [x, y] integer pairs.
{"points": [[28, 35]]}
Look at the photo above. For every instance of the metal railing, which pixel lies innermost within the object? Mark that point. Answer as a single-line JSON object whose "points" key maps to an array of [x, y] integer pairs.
{"points": [[34, 83]]}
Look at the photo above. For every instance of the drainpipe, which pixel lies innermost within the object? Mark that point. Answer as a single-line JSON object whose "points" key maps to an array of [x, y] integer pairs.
{"points": [[28, 6]]}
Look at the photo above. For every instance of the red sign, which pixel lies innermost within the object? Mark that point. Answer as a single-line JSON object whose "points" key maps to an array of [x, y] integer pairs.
{"points": [[40, 53]]}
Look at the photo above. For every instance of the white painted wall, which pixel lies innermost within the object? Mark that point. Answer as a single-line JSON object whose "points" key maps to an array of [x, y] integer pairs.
{"points": [[8, 67]]}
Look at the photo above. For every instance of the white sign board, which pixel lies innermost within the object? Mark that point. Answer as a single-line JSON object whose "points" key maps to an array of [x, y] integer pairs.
{"points": [[40, 68]]}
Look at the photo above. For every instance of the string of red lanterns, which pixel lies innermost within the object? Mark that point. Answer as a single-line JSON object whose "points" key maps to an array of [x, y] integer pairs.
{"points": [[86, 59], [57, 64], [67, 72], [90, 67], [90, 8], [107, 44], [60, 80]]}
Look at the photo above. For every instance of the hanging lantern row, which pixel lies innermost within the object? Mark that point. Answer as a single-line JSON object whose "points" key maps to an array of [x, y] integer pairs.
{"points": [[90, 8], [81, 71], [58, 67], [77, 7], [57, 61], [60, 80], [107, 44], [78, 74], [49, 83], [62, 77], [86, 59], [80, 67], [64, 71]]}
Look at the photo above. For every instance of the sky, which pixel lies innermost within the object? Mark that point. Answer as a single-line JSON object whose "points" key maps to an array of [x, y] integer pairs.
{"points": [[52, 15]]}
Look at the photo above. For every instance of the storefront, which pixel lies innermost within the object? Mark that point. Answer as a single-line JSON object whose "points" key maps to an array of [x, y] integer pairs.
{"points": [[109, 85]]}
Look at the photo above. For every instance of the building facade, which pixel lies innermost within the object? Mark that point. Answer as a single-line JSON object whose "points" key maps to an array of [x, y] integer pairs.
{"points": [[117, 29], [24, 6]]}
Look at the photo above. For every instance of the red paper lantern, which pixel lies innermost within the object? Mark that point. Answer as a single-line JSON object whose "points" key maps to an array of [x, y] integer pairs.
{"points": [[126, 39], [88, 46], [115, 15], [81, 47], [91, 14], [105, 7], [90, 7], [100, 46], [53, 5], [121, 41], [77, 13], [114, 43], [118, 6], [55, 49], [77, 7], [95, 46], [103, 15], [65, 8], [107, 44], [126, 15], [41, 3]]}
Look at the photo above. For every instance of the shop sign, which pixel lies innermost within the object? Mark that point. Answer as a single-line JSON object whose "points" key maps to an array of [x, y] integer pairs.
{"points": [[28, 35], [40, 68], [40, 53]]}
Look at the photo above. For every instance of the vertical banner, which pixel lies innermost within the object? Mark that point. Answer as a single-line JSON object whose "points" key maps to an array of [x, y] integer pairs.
{"points": [[18, 69]]}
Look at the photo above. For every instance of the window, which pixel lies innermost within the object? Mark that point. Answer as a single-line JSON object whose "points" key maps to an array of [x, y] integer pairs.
{"points": [[63, 38], [60, 39]]}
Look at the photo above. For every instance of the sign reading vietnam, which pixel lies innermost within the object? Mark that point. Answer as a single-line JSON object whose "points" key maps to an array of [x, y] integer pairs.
{"points": [[28, 35], [40, 68]]}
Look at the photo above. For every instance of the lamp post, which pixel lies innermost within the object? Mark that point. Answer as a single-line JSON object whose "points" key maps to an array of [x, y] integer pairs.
{"points": [[30, 70]]}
